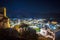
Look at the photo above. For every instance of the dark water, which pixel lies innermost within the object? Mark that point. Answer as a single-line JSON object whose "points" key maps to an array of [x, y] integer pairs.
{"points": [[58, 35]]}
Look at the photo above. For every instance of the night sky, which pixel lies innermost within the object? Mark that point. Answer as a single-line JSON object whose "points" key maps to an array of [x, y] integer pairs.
{"points": [[31, 8]]}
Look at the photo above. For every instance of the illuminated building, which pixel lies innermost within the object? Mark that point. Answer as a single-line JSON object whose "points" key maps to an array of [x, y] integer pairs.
{"points": [[3, 12], [54, 22]]}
